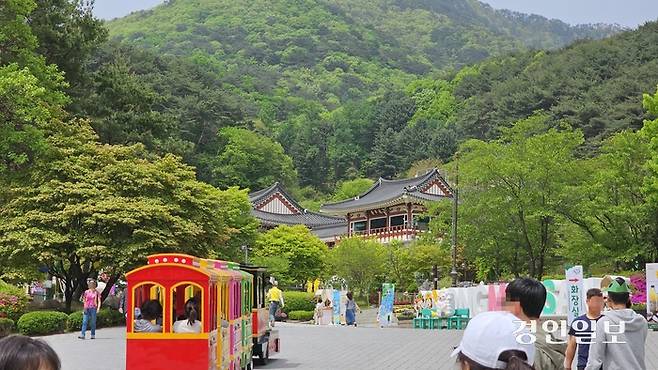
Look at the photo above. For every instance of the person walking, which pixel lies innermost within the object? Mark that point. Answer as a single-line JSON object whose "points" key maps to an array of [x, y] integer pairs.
{"points": [[92, 304], [621, 333], [525, 299], [350, 309], [275, 297], [582, 328]]}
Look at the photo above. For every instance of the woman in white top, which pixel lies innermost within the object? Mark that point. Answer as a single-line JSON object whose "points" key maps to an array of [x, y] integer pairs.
{"points": [[190, 324]]}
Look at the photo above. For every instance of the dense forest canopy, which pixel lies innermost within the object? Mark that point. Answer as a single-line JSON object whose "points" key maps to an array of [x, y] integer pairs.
{"points": [[332, 51], [145, 138], [356, 89]]}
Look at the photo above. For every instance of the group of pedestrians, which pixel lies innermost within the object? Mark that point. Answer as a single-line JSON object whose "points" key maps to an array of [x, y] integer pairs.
{"points": [[613, 339], [275, 298]]}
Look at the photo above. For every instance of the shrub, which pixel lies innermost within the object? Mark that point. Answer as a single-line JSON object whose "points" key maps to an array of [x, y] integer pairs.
{"points": [[109, 317], [42, 323], [105, 318], [13, 301], [300, 315], [45, 305], [74, 321], [639, 287], [6, 326], [298, 301]]}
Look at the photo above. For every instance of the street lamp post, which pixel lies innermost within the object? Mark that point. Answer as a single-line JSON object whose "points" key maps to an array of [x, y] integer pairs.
{"points": [[455, 200], [245, 249]]}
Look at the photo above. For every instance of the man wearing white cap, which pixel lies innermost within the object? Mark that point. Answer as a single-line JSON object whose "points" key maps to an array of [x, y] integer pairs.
{"points": [[490, 342]]}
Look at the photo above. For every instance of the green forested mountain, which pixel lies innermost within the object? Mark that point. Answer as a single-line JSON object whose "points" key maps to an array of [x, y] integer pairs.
{"points": [[596, 86], [334, 51], [335, 82]]}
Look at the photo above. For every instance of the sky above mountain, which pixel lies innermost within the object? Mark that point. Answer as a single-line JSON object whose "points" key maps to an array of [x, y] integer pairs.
{"points": [[629, 13]]}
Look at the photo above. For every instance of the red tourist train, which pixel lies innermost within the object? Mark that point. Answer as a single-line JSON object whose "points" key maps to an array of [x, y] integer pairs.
{"points": [[213, 315]]}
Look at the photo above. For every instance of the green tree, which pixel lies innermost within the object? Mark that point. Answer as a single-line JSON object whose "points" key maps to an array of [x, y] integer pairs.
{"points": [[610, 210], [650, 133], [517, 185], [250, 160], [352, 188], [30, 92], [67, 34], [360, 262], [90, 206], [26, 114], [304, 254]]}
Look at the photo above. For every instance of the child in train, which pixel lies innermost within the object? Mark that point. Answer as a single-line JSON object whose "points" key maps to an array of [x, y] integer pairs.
{"points": [[191, 323]]}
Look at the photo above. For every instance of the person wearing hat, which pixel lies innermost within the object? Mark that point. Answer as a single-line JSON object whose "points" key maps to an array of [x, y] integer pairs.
{"points": [[493, 340], [620, 334]]}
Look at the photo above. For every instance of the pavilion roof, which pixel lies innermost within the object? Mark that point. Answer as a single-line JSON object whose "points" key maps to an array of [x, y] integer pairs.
{"points": [[430, 187]]}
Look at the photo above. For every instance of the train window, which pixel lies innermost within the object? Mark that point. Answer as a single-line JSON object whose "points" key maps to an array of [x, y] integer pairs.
{"points": [[187, 304], [147, 305]]}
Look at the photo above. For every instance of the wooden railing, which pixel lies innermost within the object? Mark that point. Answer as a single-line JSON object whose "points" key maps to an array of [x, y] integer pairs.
{"points": [[387, 232]]}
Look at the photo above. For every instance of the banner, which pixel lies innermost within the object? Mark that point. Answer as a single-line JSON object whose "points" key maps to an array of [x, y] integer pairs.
{"points": [[385, 315], [337, 304], [652, 286], [576, 303]]}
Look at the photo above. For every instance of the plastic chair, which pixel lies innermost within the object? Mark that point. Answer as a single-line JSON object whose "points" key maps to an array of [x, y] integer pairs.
{"points": [[426, 316], [460, 319]]}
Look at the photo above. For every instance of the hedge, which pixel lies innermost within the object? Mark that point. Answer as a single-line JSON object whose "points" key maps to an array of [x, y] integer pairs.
{"points": [[13, 301], [42, 323], [298, 301], [300, 315], [105, 318], [6, 326]]}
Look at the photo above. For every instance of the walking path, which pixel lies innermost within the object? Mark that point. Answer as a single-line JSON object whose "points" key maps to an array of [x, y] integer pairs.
{"points": [[310, 347]]}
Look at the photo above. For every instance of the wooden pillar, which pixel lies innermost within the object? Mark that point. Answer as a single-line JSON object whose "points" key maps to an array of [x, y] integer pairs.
{"points": [[409, 215], [388, 220], [349, 226], [367, 222]]}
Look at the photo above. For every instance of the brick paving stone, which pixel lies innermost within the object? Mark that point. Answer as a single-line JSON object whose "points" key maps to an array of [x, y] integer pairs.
{"points": [[309, 347]]}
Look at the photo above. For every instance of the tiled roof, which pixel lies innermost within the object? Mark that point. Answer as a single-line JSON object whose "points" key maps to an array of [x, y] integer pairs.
{"points": [[308, 218], [261, 195], [386, 192], [324, 226]]}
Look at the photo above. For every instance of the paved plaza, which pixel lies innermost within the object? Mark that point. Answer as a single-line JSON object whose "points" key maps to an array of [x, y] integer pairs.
{"points": [[308, 347]]}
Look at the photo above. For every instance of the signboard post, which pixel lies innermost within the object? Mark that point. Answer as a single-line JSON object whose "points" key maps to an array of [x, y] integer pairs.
{"points": [[652, 288], [576, 304]]}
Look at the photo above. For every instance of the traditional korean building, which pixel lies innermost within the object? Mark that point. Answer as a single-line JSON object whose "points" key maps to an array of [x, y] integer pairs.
{"points": [[391, 209], [273, 206]]}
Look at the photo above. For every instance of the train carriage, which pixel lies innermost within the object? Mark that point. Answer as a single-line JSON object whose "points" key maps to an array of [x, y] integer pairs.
{"points": [[224, 292]]}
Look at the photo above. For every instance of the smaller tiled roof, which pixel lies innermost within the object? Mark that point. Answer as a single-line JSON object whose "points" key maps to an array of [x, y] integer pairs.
{"points": [[308, 218], [262, 195], [388, 192], [324, 226]]}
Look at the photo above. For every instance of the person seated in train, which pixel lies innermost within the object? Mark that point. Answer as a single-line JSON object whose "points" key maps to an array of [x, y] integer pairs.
{"points": [[191, 323], [149, 320]]}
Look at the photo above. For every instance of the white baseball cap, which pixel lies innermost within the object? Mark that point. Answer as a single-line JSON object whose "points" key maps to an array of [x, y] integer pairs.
{"points": [[491, 333]]}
